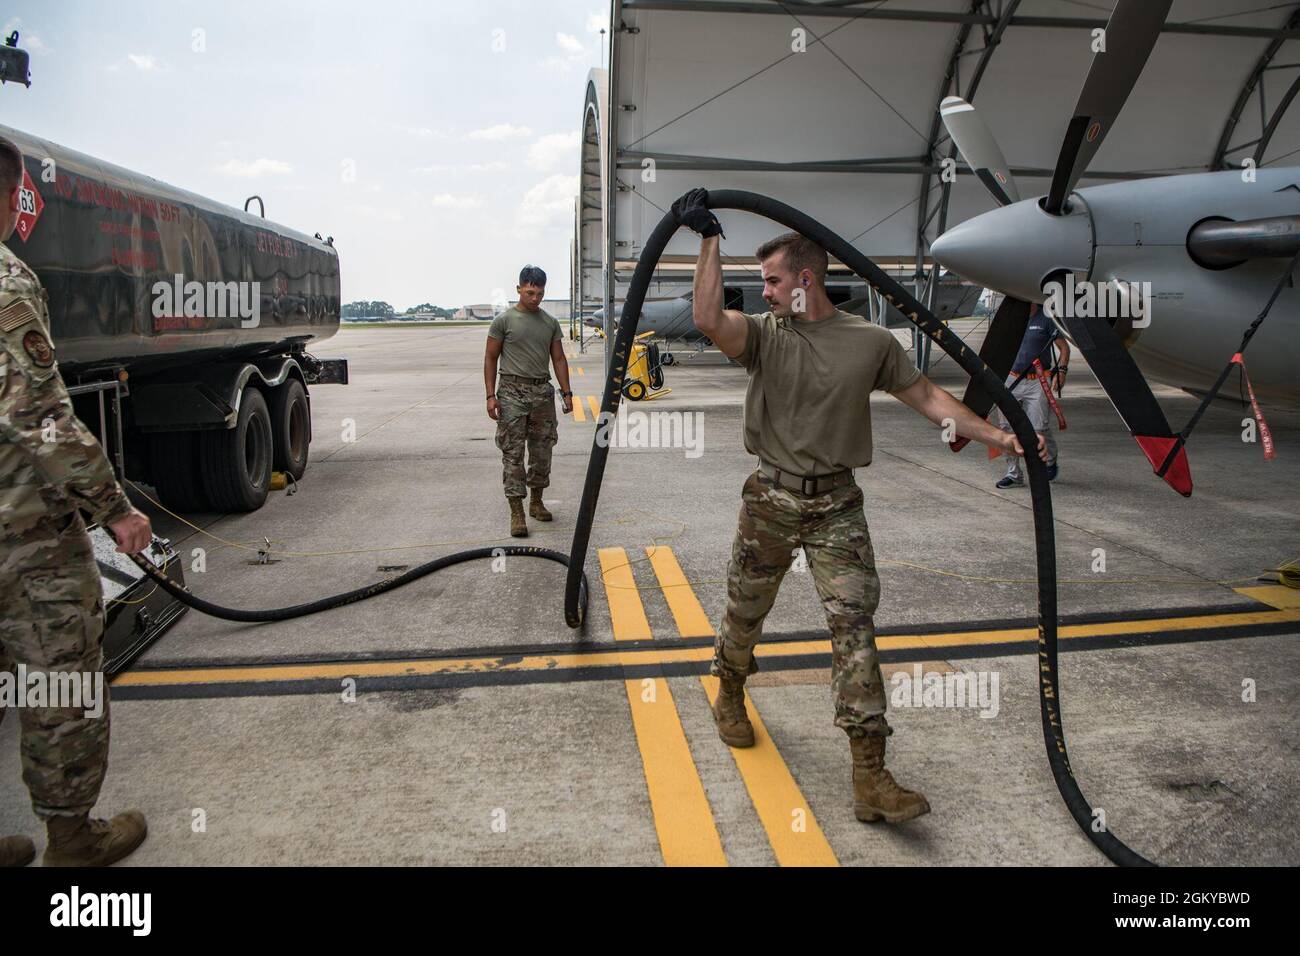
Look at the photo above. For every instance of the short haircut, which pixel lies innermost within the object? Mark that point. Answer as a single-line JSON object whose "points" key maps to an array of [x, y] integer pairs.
{"points": [[800, 254], [532, 275], [11, 166]]}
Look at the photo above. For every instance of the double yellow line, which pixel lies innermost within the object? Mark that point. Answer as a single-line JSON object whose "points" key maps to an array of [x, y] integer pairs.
{"points": [[683, 818], [593, 402]]}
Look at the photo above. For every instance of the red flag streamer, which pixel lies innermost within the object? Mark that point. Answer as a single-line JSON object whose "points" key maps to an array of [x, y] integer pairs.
{"points": [[1265, 436], [1047, 390]]}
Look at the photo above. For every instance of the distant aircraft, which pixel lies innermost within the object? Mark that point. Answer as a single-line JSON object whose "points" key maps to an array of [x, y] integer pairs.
{"points": [[671, 318]]}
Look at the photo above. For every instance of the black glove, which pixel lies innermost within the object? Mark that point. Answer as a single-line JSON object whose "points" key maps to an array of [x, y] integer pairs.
{"points": [[692, 211]]}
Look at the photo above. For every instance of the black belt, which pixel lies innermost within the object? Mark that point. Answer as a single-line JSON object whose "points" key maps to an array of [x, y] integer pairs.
{"points": [[526, 378], [806, 484]]}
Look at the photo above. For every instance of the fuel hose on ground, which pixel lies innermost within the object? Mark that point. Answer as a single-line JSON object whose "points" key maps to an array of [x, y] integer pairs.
{"points": [[188, 598], [1044, 536]]}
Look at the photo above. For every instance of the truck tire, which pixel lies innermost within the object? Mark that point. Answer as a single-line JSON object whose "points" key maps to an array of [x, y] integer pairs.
{"points": [[291, 427], [236, 462], [174, 471]]}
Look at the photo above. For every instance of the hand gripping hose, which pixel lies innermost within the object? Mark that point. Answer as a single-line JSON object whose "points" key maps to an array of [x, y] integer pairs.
{"points": [[1044, 537]]}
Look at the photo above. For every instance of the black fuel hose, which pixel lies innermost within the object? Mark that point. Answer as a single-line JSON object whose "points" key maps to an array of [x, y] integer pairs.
{"points": [[188, 598], [1044, 537]]}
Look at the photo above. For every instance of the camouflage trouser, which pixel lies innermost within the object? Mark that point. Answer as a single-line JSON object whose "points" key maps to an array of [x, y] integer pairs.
{"points": [[832, 530], [53, 621], [1033, 400], [527, 421]]}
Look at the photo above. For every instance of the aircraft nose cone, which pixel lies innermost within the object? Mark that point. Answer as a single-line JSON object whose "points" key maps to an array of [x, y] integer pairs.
{"points": [[1014, 248]]}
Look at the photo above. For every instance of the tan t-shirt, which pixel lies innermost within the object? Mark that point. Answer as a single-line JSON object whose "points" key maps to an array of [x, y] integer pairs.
{"points": [[526, 339], [808, 407]]}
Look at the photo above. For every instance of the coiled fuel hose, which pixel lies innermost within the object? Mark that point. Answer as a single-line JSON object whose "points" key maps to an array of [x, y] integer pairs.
{"points": [[1049, 694], [576, 587]]}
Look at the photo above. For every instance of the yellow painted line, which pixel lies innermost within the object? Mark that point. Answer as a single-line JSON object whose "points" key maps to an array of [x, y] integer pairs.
{"points": [[688, 835], [580, 371], [687, 612], [578, 414], [626, 612], [1278, 595], [792, 830], [646, 656], [1069, 631], [594, 402]]}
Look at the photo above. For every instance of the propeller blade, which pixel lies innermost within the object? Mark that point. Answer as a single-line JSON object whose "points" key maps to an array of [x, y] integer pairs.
{"points": [[978, 147], [1131, 34], [1129, 392], [1001, 343]]}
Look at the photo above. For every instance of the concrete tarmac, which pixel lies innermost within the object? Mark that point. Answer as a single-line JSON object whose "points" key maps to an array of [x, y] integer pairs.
{"points": [[459, 720]]}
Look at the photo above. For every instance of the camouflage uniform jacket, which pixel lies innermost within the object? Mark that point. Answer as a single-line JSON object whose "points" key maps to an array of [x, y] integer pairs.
{"points": [[50, 463]]}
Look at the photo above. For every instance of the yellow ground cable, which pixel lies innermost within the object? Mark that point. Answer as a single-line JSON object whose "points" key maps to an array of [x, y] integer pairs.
{"points": [[1289, 573]]}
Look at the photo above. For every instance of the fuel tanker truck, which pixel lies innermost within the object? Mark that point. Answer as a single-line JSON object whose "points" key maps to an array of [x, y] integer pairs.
{"points": [[181, 325]]}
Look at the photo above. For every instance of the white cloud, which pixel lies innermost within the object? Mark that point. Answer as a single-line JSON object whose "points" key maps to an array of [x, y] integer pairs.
{"points": [[367, 211], [490, 167], [500, 131], [146, 62], [548, 205], [597, 21], [573, 54], [554, 149], [258, 167], [456, 201], [421, 132]]}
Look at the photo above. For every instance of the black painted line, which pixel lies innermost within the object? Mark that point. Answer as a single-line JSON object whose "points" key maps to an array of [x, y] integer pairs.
{"points": [[588, 647], [619, 671]]}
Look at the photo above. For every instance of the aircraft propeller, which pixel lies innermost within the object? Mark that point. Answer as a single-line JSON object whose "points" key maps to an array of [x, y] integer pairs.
{"points": [[1130, 35]]}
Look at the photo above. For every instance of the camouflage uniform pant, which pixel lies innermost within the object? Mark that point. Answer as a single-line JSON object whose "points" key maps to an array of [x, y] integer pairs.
{"points": [[1033, 400], [53, 621], [527, 421], [832, 530]]}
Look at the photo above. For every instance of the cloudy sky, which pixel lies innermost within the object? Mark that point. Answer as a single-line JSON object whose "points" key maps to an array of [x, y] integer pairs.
{"points": [[437, 142]]}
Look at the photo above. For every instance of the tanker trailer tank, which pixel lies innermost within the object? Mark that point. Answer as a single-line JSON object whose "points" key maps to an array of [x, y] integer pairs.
{"points": [[185, 320]]}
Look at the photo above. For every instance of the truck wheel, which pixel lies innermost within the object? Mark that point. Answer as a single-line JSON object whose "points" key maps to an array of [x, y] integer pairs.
{"points": [[174, 471], [236, 462], [291, 427]]}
